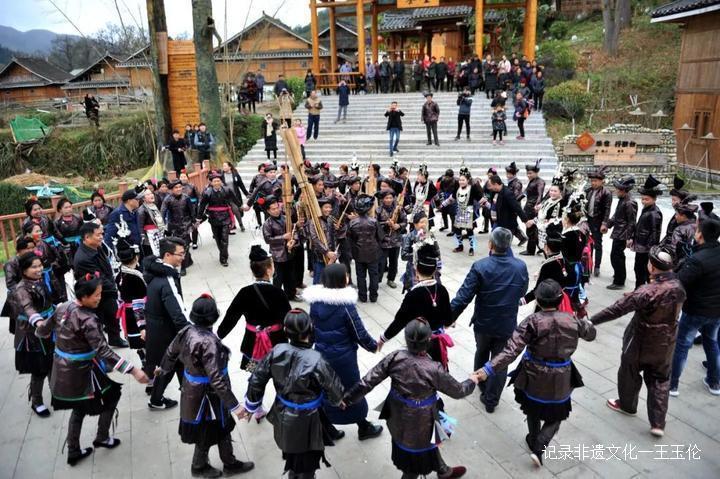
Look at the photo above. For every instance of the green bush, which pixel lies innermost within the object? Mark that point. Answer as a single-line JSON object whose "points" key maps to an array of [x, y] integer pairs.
{"points": [[297, 88], [559, 29], [12, 198], [246, 132], [567, 100], [558, 54]]}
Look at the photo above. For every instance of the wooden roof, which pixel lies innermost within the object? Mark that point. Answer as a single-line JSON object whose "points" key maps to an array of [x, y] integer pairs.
{"points": [[348, 28], [263, 19]]}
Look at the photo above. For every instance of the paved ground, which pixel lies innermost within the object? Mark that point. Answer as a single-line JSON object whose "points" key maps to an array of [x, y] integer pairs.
{"points": [[594, 442]]}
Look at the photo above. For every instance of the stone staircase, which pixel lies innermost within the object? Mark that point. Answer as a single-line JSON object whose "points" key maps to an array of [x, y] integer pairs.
{"points": [[364, 134]]}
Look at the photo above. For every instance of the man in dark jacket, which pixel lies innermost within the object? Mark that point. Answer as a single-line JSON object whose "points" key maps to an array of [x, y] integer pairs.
{"points": [[343, 92], [599, 203], [441, 70], [398, 84], [430, 116], [281, 244], [364, 235], [507, 208], [700, 274], [623, 225], [385, 74], [393, 226], [177, 147], [464, 102], [204, 142], [648, 229], [91, 258], [280, 85], [165, 313], [497, 283], [394, 126], [179, 214], [649, 339], [123, 218], [533, 196]]}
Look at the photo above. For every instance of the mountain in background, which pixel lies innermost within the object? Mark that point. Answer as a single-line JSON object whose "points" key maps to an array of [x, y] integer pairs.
{"points": [[32, 41]]}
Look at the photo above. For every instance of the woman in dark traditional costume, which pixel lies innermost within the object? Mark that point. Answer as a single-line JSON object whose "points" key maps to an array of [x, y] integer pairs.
{"points": [[79, 380], [133, 293], [207, 401], [546, 376], [31, 303], [67, 228]]}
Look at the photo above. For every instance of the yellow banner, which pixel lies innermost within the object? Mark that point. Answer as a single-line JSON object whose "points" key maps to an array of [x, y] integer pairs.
{"points": [[417, 3]]}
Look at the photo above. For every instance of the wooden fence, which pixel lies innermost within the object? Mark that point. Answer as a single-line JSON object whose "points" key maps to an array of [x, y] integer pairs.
{"points": [[11, 225]]}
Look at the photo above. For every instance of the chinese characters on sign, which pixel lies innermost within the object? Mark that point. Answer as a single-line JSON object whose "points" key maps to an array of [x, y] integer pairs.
{"points": [[417, 3], [625, 452]]}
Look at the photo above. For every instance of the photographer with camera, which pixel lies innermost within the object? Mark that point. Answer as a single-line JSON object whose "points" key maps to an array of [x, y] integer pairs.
{"points": [[464, 101]]}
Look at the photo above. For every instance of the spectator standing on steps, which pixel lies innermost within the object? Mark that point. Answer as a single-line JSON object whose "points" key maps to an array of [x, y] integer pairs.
{"points": [[385, 74], [537, 86], [430, 116], [313, 105], [498, 124], [432, 75], [280, 85], [394, 126], [417, 74], [260, 81], [464, 101], [343, 92], [623, 226], [442, 73], [522, 111], [398, 76], [309, 83]]}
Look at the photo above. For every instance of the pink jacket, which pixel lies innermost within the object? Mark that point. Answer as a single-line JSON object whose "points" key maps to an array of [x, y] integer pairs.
{"points": [[300, 133]]}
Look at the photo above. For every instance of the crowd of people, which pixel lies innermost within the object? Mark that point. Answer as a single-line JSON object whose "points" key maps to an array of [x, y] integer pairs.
{"points": [[126, 290]]}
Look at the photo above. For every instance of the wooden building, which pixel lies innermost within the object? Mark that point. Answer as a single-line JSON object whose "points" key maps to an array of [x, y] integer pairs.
{"points": [[438, 32], [270, 46], [25, 80], [345, 38], [137, 68], [370, 10], [101, 77], [697, 92]]}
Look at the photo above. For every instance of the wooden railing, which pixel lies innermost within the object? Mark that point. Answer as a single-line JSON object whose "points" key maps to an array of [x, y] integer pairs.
{"points": [[11, 225], [332, 80]]}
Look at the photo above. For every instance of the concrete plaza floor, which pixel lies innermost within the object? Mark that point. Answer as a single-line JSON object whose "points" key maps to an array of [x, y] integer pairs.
{"points": [[594, 442]]}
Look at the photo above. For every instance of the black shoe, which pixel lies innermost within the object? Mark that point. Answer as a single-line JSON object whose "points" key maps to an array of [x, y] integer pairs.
{"points": [[238, 467], [41, 410], [443, 228], [224, 263], [194, 246], [450, 234], [362, 300], [373, 300], [205, 471], [457, 138], [615, 287], [437, 144], [337, 434], [488, 407], [117, 342], [459, 249], [232, 232], [76, 456], [526, 253], [369, 432], [471, 252], [165, 403], [596, 271], [698, 340], [396, 150], [527, 441], [109, 443], [428, 144], [522, 242], [704, 364]]}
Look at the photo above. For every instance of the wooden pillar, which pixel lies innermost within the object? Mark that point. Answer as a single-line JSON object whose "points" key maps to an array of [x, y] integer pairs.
{"points": [[421, 49], [530, 28], [374, 33], [333, 43], [360, 15], [428, 44], [314, 35], [479, 26]]}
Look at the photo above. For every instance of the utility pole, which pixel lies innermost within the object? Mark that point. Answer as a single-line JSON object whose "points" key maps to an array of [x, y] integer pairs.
{"points": [[157, 29]]}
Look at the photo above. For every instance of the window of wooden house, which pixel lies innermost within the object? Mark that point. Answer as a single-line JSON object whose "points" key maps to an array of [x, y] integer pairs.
{"points": [[702, 122], [304, 64], [263, 66]]}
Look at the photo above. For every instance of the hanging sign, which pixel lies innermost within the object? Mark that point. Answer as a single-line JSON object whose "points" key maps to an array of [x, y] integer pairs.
{"points": [[417, 3]]}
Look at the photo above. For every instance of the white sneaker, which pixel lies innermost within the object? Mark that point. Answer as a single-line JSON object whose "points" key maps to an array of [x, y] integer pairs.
{"points": [[674, 392], [657, 432], [715, 391]]}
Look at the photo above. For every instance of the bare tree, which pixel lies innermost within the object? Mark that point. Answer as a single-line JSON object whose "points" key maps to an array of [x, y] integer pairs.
{"points": [[615, 16], [208, 89]]}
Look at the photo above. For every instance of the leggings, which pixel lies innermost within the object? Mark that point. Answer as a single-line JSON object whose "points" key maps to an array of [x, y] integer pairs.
{"points": [[496, 133], [521, 126]]}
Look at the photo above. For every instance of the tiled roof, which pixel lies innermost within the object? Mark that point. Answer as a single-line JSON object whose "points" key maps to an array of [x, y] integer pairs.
{"points": [[22, 84], [42, 68], [683, 6], [304, 53], [395, 21]]}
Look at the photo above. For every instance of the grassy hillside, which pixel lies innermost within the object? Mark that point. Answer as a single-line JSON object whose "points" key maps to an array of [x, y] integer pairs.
{"points": [[646, 66]]}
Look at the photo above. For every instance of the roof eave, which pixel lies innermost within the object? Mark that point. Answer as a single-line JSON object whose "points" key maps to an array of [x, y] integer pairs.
{"points": [[688, 13]]}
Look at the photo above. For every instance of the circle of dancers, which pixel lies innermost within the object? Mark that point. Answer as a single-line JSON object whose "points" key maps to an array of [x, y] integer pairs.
{"points": [[127, 264]]}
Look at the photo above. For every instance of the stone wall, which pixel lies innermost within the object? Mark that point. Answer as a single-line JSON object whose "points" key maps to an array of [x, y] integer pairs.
{"points": [[655, 147], [576, 8]]}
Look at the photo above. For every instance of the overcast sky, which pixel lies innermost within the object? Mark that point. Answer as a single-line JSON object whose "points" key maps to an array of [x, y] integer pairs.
{"points": [[91, 15]]}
